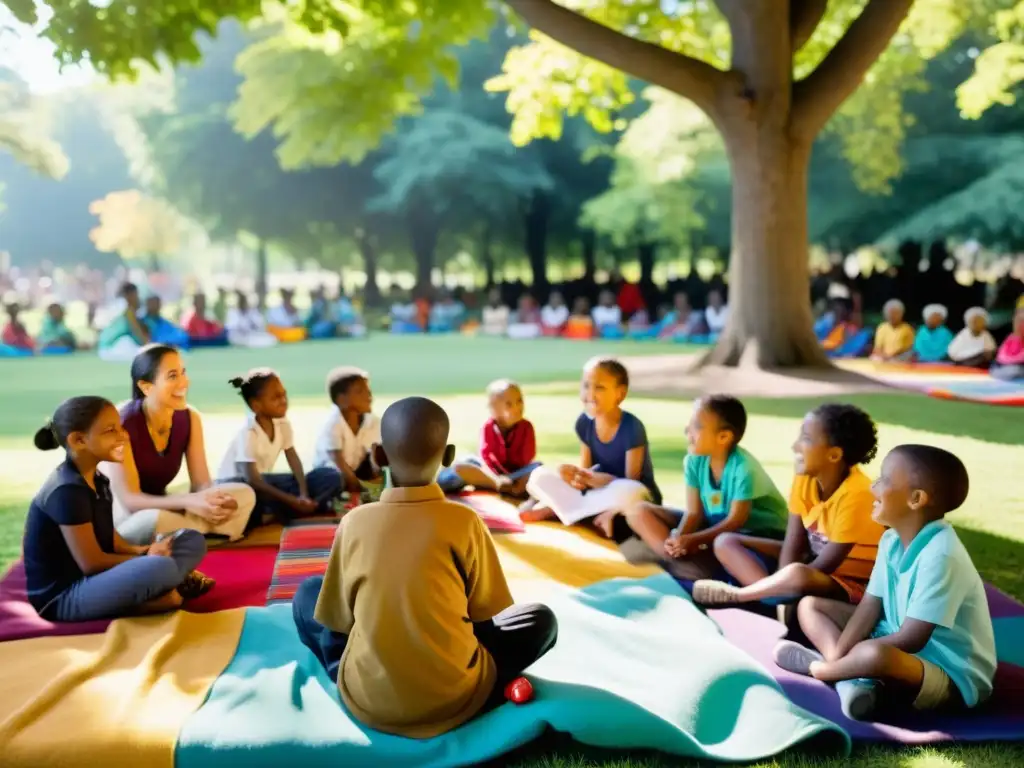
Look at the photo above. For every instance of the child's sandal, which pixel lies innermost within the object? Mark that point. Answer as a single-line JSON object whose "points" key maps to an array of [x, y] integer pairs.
{"points": [[196, 584]]}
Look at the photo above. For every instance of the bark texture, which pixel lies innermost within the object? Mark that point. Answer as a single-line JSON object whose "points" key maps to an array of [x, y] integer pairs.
{"points": [[769, 124]]}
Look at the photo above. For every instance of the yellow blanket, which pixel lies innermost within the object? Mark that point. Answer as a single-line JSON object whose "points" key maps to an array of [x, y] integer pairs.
{"points": [[112, 700]]}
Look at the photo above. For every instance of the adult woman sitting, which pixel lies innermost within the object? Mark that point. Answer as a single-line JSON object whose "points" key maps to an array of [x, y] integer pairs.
{"points": [[163, 431]]}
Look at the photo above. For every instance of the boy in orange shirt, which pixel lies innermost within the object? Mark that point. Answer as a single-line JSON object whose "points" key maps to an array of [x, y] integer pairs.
{"points": [[831, 539], [413, 616]]}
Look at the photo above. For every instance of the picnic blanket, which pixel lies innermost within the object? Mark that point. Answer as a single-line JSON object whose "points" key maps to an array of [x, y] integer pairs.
{"points": [[117, 699], [943, 381], [243, 577], [632, 650]]}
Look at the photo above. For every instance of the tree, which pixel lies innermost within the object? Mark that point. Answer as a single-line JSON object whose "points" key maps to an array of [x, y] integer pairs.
{"points": [[134, 225], [24, 132], [791, 65]]}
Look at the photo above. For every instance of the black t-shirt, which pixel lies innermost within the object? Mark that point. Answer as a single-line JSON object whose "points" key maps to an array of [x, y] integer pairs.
{"points": [[64, 499]]}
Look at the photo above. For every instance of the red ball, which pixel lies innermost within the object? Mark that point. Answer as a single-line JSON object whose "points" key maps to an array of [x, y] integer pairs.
{"points": [[519, 691]]}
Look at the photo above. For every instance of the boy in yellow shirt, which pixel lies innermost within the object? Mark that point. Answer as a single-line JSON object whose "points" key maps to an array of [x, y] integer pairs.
{"points": [[413, 617], [894, 339]]}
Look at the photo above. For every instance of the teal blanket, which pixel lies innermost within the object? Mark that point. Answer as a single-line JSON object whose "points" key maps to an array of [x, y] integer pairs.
{"points": [[636, 666]]}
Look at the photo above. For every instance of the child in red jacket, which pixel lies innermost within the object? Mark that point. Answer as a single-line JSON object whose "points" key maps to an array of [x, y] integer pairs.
{"points": [[508, 447]]}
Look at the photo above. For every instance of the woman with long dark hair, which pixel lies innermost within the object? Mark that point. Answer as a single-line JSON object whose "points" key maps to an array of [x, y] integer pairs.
{"points": [[162, 432]]}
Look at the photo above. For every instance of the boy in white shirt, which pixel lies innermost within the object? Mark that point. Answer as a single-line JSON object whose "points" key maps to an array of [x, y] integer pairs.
{"points": [[607, 312], [256, 448], [284, 315], [555, 314], [345, 443], [716, 314]]}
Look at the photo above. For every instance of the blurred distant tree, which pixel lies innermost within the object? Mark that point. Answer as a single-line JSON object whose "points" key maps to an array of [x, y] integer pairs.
{"points": [[25, 129], [134, 226]]}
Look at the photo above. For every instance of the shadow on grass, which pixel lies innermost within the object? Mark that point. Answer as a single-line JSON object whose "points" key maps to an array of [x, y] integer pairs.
{"points": [[997, 558]]}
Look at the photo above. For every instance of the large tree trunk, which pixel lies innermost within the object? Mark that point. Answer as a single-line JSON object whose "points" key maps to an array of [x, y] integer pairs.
{"points": [[261, 275], [646, 254], [589, 255], [536, 240], [769, 124], [368, 250], [770, 322], [423, 236], [487, 255]]}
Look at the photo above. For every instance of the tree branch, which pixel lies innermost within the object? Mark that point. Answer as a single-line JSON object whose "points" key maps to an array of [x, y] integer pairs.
{"points": [[819, 95], [692, 79], [804, 18]]}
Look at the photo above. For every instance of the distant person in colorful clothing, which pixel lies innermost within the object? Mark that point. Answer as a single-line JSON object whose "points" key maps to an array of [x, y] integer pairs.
{"points": [[54, 334], [14, 334], [974, 346], [1009, 364], [894, 339], [931, 344]]}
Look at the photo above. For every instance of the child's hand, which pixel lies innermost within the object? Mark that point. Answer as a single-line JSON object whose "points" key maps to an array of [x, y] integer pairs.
{"points": [[568, 473], [304, 505], [160, 548], [673, 545]]}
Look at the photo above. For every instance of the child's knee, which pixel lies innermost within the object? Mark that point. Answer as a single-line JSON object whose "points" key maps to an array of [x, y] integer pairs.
{"points": [[639, 510], [189, 547], [547, 626], [808, 609], [799, 577], [725, 543]]}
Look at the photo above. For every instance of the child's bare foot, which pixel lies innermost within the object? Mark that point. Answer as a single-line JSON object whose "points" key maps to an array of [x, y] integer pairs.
{"points": [[473, 475], [712, 592], [514, 488], [605, 523], [536, 514]]}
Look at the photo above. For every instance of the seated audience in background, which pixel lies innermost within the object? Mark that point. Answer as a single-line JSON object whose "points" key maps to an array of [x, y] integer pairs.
{"points": [[14, 333], [1009, 364], [681, 322], [54, 334], [629, 298], [508, 447], [974, 346], [245, 325], [403, 316], [219, 311], [319, 320], [447, 315], [125, 334], [423, 304], [201, 328], [922, 636], [348, 322], [554, 315], [932, 341], [413, 617], [894, 339], [580, 325], [842, 328], [161, 330], [495, 317], [607, 315], [716, 314], [639, 323], [525, 322], [285, 314]]}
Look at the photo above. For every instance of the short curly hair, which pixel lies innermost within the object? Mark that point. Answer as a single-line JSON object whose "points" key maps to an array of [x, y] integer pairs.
{"points": [[849, 428]]}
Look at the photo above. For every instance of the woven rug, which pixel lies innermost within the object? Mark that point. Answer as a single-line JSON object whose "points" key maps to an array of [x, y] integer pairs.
{"points": [[305, 548]]}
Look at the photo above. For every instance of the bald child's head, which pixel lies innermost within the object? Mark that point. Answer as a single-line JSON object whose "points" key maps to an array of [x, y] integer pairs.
{"points": [[414, 441]]}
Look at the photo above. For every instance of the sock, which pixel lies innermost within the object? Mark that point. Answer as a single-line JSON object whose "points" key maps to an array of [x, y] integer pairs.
{"points": [[858, 698], [794, 657]]}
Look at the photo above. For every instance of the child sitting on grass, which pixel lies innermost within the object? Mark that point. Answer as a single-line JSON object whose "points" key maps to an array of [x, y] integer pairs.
{"points": [[727, 490], [258, 445], [413, 617], [77, 567], [348, 435], [615, 469], [831, 540], [923, 632], [508, 447]]}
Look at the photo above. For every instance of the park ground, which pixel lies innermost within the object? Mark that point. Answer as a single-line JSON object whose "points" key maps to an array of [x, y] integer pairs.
{"points": [[455, 370]]}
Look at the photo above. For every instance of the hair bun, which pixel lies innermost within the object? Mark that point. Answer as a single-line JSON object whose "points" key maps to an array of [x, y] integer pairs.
{"points": [[46, 438], [237, 382]]}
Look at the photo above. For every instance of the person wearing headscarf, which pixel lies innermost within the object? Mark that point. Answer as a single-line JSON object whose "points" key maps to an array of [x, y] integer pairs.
{"points": [[974, 346], [933, 338], [894, 339]]}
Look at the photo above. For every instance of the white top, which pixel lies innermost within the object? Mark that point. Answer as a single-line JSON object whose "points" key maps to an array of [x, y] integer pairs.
{"points": [[280, 317], [606, 315], [495, 320], [253, 446], [716, 318], [337, 435], [247, 321], [965, 344], [554, 317]]}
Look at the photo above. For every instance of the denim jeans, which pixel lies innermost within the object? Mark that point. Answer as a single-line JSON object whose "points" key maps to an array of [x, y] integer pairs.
{"points": [[119, 590], [450, 481]]}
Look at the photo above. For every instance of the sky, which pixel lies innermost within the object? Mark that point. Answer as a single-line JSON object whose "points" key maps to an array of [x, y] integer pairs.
{"points": [[32, 58]]}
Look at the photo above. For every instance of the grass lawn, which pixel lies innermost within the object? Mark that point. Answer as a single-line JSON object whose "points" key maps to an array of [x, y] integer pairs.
{"points": [[455, 370]]}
